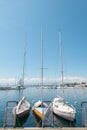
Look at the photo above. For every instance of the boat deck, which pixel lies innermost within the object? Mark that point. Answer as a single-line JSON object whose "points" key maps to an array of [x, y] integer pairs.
{"points": [[39, 111], [44, 110]]}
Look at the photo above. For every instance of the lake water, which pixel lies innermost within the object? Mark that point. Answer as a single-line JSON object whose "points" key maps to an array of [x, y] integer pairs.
{"points": [[73, 95]]}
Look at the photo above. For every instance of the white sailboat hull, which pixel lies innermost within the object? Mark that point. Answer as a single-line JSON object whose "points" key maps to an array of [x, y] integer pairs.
{"points": [[22, 109], [63, 110], [65, 115], [23, 113]]}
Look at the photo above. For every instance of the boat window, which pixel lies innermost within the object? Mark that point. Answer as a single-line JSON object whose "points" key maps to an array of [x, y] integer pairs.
{"points": [[56, 105], [60, 101]]}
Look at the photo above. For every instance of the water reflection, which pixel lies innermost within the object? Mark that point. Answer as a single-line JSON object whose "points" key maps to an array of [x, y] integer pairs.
{"points": [[37, 120], [60, 122], [57, 121], [21, 120]]}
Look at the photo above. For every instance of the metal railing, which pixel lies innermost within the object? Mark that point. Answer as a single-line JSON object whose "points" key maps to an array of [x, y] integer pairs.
{"points": [[84, 113], [10, 116]]}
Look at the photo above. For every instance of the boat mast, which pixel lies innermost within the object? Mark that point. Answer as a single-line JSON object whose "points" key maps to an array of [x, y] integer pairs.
{"points": [[42, 72], [61, 59], [24, 64]]}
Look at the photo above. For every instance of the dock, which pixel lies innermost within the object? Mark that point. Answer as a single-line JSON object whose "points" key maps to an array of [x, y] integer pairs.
{"points": [[27, 128]]}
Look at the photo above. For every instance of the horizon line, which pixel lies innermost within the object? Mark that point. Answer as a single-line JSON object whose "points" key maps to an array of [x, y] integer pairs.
{"points": [[27, 80]]}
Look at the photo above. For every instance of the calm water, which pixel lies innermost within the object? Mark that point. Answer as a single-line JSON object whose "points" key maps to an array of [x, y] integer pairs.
{"points": [[74, 96]]}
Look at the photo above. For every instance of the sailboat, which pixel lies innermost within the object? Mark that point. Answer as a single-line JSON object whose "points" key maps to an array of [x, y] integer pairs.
{"points": [[20, 84], [23, 106], [41, 108], [60, 107]]}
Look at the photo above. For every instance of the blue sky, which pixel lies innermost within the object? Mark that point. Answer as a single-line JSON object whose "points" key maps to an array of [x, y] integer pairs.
{"points": [[18, 17]]}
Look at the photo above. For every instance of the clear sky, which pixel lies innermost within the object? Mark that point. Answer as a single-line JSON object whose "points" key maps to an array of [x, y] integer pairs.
{"points": [[18, 17]]}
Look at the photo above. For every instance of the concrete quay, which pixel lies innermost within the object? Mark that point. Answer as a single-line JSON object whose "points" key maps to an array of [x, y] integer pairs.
{"points": [[48, 128]]}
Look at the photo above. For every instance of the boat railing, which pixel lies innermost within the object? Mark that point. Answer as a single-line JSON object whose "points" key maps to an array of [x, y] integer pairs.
{"points": [[84, 113], [48, 116], [10, 116], [73, 107]]}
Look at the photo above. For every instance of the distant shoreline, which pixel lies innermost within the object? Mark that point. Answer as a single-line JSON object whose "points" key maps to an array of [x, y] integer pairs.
{"points": [[7, 88], [44, 87]]}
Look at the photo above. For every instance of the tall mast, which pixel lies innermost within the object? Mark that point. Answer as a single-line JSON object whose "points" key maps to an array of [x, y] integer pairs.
{"points": [[61, 58], [24, 63], [42, 72], [41, 59]]}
